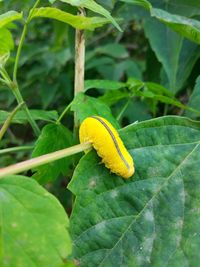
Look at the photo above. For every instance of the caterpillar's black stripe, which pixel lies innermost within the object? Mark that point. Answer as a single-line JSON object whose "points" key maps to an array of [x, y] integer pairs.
{"points": [[114, 140]]}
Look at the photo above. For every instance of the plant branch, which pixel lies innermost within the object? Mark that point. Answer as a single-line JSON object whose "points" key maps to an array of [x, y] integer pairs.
{"points": [[63, 113], [9, 119], [15, 149], [47, 158], [123, 109], [20, 100], [4, 82], [14, 85], [22, 42], [79, 63]]}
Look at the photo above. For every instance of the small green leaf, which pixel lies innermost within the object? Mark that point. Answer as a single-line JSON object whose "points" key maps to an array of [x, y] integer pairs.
{"points": [[103, 84], [34, 226], [110, 99], [73, 20], [53, 137], [93, 6], [36, 114], [86, 106], [158, 89], [9, 17], [6, 44]]}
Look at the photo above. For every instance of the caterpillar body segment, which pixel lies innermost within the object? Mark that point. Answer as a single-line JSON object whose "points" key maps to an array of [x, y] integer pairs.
{"points": [[108, 145]]}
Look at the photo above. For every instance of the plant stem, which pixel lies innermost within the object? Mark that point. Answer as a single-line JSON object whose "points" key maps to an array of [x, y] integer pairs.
{"points": [[9, 119], [15, 149], [79, 63], [20, 100], [19, 52], [123, 109], [63, 113], [22, 42], [14, 84], [47, 158], [4, 82], [5, 75]]}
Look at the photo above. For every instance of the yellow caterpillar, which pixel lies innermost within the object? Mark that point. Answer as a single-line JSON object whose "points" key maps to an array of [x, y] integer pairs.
{"points": [[108, 144]]}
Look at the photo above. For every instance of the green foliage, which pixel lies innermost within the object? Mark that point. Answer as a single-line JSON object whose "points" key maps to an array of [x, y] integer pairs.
{"points": [[141, 62], [103, 84], [6, 43], [9, 17], [75, 21], [188, 28], [34, 225], [194, 100], [52, 138], [151, 218], [21, 118], [86, 106], [92, 5]]}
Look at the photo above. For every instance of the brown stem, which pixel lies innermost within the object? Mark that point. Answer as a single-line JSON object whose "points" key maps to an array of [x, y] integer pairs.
{"points": [[79, 63]]}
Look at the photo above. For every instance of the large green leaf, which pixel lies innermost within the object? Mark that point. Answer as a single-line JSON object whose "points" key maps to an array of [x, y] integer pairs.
{"points": [[73, 20], [9, 17], [182, 7], [189, 28], [52, 138], [151, 219], [34, 226], [86, 106], [176, 54], [93, 6], [37, 114]]}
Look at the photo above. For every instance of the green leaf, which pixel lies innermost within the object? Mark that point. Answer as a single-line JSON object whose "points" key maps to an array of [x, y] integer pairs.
{"points": [[176, 54], [53, 137], [189, 28], [86, 106], [37, 114], [194, 100], [93, 6], [187, 8], [73, 20], [166, 100], [9, 17], [143, 3], [151, 219], [34, 226], [110, 99], [103, 84], [6, 44], [114, 50]]}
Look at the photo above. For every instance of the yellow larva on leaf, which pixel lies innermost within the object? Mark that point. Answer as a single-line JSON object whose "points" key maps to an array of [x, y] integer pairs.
{"points": [[108, 144]]}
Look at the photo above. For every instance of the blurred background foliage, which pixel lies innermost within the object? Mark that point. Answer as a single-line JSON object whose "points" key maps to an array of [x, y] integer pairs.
{"points": [[147, 70]]}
